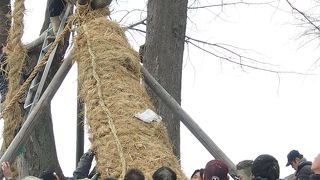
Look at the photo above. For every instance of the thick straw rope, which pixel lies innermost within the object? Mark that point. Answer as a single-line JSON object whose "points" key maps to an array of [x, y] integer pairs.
{"points": [[102, 103], [36, 69], [109, 82], [15, 59]]}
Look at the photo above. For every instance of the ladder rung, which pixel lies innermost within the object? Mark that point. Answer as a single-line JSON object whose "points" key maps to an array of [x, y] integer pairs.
{"points": [[50, 29], [27, 106], [34, 87], [45, 49]]}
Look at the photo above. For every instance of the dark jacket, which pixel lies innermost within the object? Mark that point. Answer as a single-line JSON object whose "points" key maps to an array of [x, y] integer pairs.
{"points": [[56, 7], [314, 177], [304, 170], [83, 166]]}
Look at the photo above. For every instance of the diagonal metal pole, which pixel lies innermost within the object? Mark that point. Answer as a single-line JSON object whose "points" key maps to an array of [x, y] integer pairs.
{"points": [[193, 127], [34, 116]]}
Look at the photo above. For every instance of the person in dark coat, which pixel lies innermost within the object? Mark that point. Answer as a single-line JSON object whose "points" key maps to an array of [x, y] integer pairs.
{"points": [[55, 9], [315, 167], [164, 173], [300, 165], [265, 167], [84, 165], [134, 174]]}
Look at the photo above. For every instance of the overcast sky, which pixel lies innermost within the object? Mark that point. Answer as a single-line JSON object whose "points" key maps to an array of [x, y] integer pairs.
{"points": [[245, 111]]}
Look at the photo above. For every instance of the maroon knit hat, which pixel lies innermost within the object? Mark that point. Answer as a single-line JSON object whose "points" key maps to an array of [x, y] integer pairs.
{"points": [[216, 170]]}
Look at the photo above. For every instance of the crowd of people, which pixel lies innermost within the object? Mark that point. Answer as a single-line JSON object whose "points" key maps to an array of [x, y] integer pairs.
{"points": [[264, 167]]}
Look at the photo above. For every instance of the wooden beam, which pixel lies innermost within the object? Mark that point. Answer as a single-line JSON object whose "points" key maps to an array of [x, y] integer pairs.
{"points": [[194, 128], [36, 42], [34, 116]]}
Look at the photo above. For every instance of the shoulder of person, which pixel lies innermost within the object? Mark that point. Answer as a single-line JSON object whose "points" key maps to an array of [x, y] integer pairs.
{"points": [[314, 177]]}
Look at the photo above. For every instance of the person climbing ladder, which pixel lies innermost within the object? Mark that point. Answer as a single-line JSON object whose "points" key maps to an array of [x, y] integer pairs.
{"points": [[56, 8]]}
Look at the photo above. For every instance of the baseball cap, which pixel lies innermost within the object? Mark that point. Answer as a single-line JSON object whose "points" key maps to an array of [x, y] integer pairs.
{"points": [[216, 170], [292, 154]]}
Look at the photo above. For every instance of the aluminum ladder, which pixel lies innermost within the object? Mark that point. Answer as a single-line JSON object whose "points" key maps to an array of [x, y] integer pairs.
{"points": [[37, 84]]}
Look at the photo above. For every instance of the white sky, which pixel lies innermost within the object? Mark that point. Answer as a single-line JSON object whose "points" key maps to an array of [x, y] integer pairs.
{"points": [[246, 112]]}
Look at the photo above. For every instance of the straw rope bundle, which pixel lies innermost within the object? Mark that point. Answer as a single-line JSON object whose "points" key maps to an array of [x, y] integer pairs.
{"points": [[15, 60], [109, 80]]}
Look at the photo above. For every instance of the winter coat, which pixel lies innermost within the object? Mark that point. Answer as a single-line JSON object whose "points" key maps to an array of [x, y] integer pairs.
{"points": [[314, 177], [304, 170], [56, 7], [84, 165]]}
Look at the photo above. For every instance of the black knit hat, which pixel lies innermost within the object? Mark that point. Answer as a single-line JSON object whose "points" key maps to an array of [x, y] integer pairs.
{"points": [[266, 166]]}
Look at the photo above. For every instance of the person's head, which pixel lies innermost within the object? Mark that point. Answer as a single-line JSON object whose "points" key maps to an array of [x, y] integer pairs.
{"points": [[244, 169], [134, 174], [294, 158], [316, 164], [164, 173], [216, 170], [197, 174], [265, 166], [48, 174]]}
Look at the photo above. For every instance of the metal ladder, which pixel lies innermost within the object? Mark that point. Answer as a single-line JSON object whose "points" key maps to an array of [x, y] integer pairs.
{"points": [[37, 84]]}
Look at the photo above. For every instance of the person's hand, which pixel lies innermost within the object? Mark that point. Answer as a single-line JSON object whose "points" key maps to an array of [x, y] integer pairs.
{"points": [[92, 145], [316, 164], [5, 166], [56, 176], [90, 138]]}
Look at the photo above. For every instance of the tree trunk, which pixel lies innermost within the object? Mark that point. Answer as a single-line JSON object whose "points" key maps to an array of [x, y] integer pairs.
{"points": [[4, 27], [4, 21], [40, 151], [163, 57]]}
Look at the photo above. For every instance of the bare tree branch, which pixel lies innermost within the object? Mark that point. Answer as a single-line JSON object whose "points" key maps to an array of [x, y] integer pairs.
{"points": [[127, 13], [228, 4], [143, 22], [135, 29], [221, 46], [304, 15], [240, 62]]}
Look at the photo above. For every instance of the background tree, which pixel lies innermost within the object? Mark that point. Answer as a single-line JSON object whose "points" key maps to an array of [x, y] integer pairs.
{"points": [[4, 27], [164, 47], [4, 20]]}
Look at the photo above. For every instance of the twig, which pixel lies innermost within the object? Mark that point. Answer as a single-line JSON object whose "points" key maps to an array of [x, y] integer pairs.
{"points": [[304, 15], [228, 4], [143, 21], [226, 49], [245, 65], [135, 29]]}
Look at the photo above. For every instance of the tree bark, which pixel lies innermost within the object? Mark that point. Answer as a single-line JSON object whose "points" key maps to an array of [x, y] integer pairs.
{"points": [[40, 151], [4, 27], [163, 57], [4, 21]]}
